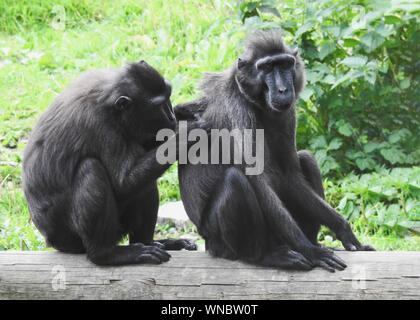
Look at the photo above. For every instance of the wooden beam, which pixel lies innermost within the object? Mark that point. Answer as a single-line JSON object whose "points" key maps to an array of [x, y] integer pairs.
{"points": [[196, 275]]}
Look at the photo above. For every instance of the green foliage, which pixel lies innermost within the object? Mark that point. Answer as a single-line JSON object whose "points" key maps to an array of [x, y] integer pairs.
{"points": [[168, 185], [360, 109], [384, 202], [249, 9], [362, 95]]}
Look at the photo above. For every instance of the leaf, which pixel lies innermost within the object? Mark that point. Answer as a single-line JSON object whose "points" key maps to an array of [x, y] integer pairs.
{"points": [[342, 203], [351, 42], [330, 79], [351, 75], [269, 9], [395, 137], [372, 40], [381, 211], [271, 3], [365, 163], [409, 224], [383, 30], [322, 68], [373, 15], [355, 61], [335, 144], [319, 143], [392, 155], [326, 49], [313, 76], [414, 206], [345, 129], [320, 156], [371, 146], [409, 5], [334, 30], [405, 83], [392, 19], [392, 214], [369, 210], [248, 6], [348, 209], [384, 67], [351, 154], [370, 77], [305, 28], [306, 94], [328, 165]]}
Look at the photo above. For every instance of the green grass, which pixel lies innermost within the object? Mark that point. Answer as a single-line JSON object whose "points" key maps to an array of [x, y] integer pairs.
{"points": [[182, 39]]}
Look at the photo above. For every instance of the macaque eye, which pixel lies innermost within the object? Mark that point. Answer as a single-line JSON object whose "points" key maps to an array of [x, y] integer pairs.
{"points": [[287, 64], [123, 102], [267, 67]]}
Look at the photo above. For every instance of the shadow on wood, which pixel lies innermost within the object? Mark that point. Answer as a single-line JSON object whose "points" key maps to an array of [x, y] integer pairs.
{"points": [[196, 275]]}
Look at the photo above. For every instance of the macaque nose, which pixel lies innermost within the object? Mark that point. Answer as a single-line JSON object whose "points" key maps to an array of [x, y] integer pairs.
{"points": [[282, 89]]}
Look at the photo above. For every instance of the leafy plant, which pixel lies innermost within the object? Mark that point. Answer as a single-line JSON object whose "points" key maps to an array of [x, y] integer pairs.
{"points": [[362, 94], [386, 201]]}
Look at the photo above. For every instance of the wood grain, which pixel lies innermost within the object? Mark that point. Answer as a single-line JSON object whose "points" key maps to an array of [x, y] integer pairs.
{"points": [[196, 275]]}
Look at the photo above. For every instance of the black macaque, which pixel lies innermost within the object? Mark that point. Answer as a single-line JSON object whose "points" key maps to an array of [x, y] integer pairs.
{"points": [[90, 169], [273, 218]]}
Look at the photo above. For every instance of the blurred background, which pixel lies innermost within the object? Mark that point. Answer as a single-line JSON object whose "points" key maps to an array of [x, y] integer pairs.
{"points": [[359, 114]]}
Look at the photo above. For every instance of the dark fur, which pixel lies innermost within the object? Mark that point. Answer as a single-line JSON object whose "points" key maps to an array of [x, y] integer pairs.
{"points": [[271, 219], [89, 170]]}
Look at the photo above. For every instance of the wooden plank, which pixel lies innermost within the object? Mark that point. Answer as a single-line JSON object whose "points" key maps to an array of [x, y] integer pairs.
{"points": [[196, 275]]}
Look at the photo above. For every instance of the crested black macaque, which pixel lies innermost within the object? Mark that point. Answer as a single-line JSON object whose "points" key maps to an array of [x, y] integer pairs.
{"points": [[90, 168], [273, 218]]}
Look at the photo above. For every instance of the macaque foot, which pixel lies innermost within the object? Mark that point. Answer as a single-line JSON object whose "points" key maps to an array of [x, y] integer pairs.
{"points": [[175, 244]]}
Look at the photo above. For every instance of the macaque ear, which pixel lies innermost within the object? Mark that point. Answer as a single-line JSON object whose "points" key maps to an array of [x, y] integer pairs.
{"points": [[123, 102], [295, 51], [241, 63]]}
